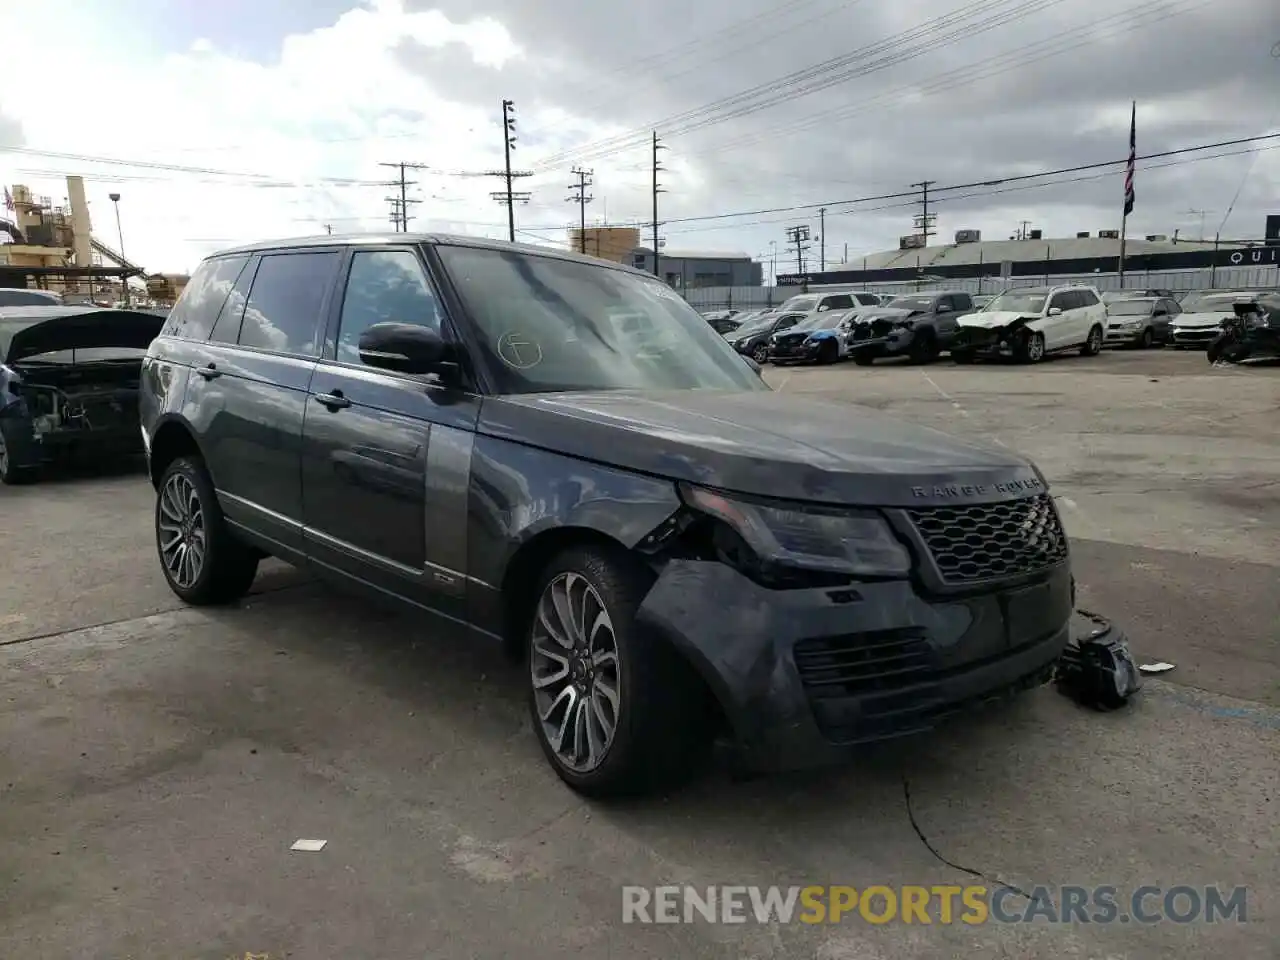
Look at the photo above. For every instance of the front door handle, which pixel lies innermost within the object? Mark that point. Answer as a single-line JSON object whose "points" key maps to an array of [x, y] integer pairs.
{"points": [[209, 372], [334, 399]]}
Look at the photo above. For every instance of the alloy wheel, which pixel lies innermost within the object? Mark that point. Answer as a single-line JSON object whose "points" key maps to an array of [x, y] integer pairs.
{"points": [[4, 457], [1095, 340], [183, 538], [575, 671], [1035, 348], [760, 354]]}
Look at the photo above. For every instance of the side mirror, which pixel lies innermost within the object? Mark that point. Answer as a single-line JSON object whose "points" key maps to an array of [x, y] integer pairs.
{"points": [[1055, 311], [404, 348]]}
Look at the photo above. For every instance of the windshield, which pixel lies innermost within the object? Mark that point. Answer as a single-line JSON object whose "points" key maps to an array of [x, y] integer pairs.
{"points": [[799, 305], [909, 303], [1212, 302], [827, 320], [548, 324], [1129, 308], [1016, 302]]}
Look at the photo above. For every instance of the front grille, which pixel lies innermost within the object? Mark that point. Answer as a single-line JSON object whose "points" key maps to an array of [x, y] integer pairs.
{"points": [[789, 341], [992, 541], [860, 663]]}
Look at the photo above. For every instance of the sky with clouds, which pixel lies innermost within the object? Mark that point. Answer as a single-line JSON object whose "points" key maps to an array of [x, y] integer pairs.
{"points": [[237, 121]]}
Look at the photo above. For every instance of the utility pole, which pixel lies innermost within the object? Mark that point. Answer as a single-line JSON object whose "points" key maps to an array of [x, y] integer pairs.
{"points": [[924, 220], [509, 197], [401, 219], [328, 228], [822, 237], [582, 198], [799, 237], [1201, 214], [657, 189], [1022, 230]]}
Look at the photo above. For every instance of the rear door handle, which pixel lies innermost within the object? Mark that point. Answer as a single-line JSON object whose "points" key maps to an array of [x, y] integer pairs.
{"points": [[209, 372], [334, 399]]}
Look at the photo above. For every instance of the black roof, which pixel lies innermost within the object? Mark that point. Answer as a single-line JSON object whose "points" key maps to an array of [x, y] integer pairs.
{"points": [[381, 239]]}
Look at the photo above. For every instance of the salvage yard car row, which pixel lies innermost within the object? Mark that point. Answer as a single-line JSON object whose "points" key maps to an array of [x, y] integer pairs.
{"points": [[1025, 324]]}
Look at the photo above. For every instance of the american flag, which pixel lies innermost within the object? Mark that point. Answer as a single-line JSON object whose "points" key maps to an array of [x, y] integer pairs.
{"points": [[1133, 156], [8, 199]]}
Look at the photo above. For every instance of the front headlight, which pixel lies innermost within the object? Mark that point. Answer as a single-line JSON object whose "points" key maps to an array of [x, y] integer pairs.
{"points": [[849, 542]]}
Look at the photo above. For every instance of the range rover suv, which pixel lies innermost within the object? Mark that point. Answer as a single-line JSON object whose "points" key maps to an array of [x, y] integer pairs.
{"points": [[673, 549]]}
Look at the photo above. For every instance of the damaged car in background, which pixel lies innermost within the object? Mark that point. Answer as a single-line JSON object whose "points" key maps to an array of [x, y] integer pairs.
{"points": [[919, 326], [1029, 323], [1253, 333], [1203, 315], [69, 384]]}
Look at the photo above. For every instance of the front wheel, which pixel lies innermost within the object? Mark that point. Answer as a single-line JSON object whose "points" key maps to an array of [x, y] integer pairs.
{"points": [[1147, 339], [828, 352], [961, 356], [1030, 347], [10, 473], [924, 349], [1092, 346], [864, 358], [615, 710], [202, 560], [760, 354]]}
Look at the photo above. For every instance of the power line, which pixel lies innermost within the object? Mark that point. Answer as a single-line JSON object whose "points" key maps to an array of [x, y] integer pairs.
{"points": [[581, 198], [795, 208], [828, 73], [1144, 15]]}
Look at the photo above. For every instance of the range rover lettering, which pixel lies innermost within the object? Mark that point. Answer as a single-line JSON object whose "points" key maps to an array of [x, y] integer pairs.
{"points": [[671, 549]]}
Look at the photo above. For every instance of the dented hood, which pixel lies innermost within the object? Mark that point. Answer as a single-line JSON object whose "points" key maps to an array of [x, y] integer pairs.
{"points": [[991, 319], [764, 443], [30, 331]]}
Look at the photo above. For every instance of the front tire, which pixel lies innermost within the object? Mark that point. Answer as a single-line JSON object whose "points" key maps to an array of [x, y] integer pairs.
{"points": [[924, 349], [615, 710], [12, 475], [962, 356], [203, 562], [760, 355], [864, 358], [828, 352], [1147, 340], [1030, 348]]}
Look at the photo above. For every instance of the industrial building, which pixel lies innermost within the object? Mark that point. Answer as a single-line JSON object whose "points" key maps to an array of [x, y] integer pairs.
{"points": [[52, 247], [1034, 256], [682, 269]]}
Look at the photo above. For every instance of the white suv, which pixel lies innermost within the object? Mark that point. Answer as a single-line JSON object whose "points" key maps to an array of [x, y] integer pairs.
{"points": [[1029, 322]]}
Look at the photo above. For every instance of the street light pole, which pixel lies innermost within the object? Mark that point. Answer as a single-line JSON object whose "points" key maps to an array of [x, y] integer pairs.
{"points": [[124, 279]]}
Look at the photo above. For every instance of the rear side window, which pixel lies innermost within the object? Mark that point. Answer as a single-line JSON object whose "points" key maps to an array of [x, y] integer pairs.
{"points": [[289, 291], [1087, 299], [227, 327], [196, 311], [962, 301], [840, 301], [868, 299]]}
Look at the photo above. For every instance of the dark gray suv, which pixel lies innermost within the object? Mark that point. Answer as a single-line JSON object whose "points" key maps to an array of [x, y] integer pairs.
{"points": [[559, 454]]}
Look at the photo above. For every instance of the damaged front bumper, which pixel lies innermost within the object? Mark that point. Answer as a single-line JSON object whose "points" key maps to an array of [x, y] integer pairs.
{"points": [[877, 341], [803, 676], [991, 341]]}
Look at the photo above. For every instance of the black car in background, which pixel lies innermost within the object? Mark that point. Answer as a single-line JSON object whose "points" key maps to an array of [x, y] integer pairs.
{"points": [[69, 384], [919, 326], [675, 550], [752, 338]]}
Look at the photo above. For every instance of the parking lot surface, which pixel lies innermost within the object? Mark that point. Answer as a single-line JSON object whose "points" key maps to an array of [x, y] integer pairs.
{"points": [[157, 762]]}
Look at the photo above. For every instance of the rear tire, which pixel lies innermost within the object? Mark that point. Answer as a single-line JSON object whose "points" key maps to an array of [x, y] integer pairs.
{"points": [[1093, 346], [616, 711], [961, 356], [202, 561], [11, 475], [1147, 340]]}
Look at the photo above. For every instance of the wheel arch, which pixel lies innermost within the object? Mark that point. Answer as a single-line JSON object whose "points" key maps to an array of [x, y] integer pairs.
{"points": [[172, 438]]}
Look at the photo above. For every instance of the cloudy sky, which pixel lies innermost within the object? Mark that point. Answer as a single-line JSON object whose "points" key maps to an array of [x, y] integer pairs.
{"points": [[246, 120]]}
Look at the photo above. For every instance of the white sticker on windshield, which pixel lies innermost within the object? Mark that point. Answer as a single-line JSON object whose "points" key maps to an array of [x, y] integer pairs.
{"points": [[662, 292], [519, 351]]}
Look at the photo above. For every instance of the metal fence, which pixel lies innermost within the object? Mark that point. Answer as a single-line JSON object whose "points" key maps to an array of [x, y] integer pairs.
{"points": [[1220, 278]]}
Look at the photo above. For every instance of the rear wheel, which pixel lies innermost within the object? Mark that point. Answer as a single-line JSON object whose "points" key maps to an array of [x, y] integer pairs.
{"points": [[11, 474], [961, 356], [1092, 346], [615, 710], [202, 560]]}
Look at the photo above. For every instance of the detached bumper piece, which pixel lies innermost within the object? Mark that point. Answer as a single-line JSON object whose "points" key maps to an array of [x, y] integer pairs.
{"points": [[1097, 669]]}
